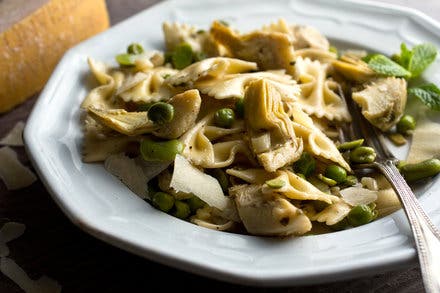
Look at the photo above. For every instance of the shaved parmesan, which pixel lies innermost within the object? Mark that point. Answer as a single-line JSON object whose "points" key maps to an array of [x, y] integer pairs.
{"points": [[134, 173], [15, 136], [9, 232], [424, 146], [13, 173], [357, 195], [187, 178], [13, 271]]}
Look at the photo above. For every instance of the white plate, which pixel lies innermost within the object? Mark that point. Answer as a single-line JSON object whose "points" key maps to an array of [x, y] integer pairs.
{"points": [[102, 206]]}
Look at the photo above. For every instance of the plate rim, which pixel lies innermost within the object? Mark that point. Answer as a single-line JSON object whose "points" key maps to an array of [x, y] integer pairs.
{"points": [[83, 223]]}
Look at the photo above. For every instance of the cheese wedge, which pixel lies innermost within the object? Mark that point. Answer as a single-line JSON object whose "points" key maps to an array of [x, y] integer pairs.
{"points": [[34, 34]]}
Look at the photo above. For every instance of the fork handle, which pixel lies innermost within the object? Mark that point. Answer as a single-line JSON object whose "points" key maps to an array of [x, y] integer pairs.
{"points": [[426, 235]]}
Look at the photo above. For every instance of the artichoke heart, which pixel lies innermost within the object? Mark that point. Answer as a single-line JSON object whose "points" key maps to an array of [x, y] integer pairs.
{"points": [[383, 101], [128, 123], [265, 117], [186, 108], [270, 50], [353, 68], [268, 215]]}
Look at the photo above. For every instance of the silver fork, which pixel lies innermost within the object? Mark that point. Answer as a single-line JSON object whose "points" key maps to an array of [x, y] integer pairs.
{"points": [[426, 235]]}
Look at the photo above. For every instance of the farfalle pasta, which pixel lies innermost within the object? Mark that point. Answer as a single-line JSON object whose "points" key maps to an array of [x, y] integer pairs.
{"points": [[240, 131]]}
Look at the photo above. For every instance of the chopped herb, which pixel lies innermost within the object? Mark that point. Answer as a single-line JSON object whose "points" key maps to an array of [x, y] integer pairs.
{"points": [[383, 65], [429, 94]]}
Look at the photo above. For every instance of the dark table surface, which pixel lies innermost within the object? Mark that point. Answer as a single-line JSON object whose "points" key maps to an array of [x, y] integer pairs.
{"points": [[53, 246]]}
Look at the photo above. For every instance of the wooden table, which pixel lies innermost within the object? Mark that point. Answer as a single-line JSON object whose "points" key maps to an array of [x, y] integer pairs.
{"points": [[53, 246]]}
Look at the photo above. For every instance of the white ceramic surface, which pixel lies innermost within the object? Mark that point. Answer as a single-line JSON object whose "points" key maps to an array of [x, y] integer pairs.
{"points": [[102, 206]]}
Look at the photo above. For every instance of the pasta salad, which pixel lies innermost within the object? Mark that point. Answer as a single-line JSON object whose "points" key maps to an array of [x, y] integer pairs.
{"points": [[240, 132]]}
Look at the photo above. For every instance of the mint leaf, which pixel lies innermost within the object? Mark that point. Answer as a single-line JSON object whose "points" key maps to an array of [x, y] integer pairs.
{"points": [[384, 65], [405, 56], [429, 94], [422, 56]]}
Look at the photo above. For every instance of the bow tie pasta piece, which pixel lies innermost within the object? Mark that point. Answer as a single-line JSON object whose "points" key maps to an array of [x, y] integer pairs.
{"points": [[318, 95], [202, 150], [269, 215], [295, 187], [102, 97], [265, 114], [316, 54], [199, 40], [210, 67], [383, 101], [302, 36], [332, 214], [315, 141], [270, 50], [146, 87], [234, 85]]}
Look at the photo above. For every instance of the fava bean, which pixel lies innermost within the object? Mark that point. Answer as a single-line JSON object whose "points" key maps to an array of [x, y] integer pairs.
{"points": [[425, 169], [336, 173], [350, 144], [275, 183], [126, 59], [326, 180], [362, 155], [160, 150]]}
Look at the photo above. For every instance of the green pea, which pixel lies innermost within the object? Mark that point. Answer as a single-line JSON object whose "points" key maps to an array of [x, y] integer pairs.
{"points": [[301, 175], [224, 118], [221, 177], [181, 209], [126, 59], [160, 150], [362, 155], [275, 183], [336, 173], [326, 180], [360, 215], [163, 201], [182, 56], [422, 170], [351, 180], [239, 108], [306, 164], [350, 144], [161, 112], [135, 48], [406, 124], [195, 203]]}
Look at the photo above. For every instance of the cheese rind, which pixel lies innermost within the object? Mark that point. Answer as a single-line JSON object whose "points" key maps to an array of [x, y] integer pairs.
{"points": [[30, 49]]}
